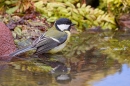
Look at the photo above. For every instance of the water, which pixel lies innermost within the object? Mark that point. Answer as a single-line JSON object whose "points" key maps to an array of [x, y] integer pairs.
{"points": [[104, 65], [118, 79], [20, 75]]}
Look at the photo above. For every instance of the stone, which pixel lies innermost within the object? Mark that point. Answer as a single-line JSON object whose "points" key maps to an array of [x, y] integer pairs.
{"points": [[7, 45]]}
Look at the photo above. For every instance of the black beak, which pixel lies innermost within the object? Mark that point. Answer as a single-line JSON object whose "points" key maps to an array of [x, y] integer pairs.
{"points": [[73, 24]]}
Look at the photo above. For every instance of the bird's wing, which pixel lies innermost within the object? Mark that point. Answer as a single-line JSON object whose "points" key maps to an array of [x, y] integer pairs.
{"points": [[44, 44]]}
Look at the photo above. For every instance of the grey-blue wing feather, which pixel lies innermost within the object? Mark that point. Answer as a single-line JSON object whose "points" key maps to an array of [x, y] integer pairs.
{"points": [[49, 43], [63, 38]]}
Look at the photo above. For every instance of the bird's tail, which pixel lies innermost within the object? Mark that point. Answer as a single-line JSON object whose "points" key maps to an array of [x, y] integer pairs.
{"points": [[17, 52]]}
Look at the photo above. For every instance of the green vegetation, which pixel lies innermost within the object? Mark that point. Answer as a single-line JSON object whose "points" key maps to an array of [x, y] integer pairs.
{"points": [[115, 7], [83, 16]]}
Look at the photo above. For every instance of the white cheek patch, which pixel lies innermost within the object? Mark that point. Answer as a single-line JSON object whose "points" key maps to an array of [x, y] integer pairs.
{"points": [[63, 27]]}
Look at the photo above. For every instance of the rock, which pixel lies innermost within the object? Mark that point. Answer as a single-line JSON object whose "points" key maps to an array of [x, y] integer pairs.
{"points": [[7, 45]]}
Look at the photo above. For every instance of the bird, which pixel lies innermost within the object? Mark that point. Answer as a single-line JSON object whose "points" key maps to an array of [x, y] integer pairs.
{"points": [[52, 41]]}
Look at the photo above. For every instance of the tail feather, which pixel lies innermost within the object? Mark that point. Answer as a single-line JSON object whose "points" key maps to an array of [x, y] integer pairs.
{"points": [[21, 51]]}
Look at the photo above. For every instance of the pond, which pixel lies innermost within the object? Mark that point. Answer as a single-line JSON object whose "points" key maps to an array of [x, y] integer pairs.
{"points": [[120, 78], [103, 65]]}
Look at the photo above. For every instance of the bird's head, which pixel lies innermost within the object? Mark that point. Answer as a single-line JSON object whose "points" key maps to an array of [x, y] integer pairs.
{"points": [[63, 24]]}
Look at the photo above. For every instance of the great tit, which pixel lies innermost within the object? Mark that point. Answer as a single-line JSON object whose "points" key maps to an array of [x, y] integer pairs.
{"points": [[52, 41]]}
